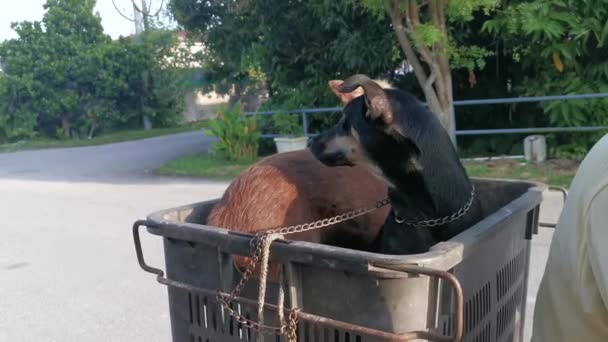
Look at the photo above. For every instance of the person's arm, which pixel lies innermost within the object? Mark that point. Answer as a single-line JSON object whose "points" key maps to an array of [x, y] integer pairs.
{"points": [[597, 243]]}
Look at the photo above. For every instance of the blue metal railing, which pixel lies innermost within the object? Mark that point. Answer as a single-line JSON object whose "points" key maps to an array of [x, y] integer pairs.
{"points": [[305, 111]]}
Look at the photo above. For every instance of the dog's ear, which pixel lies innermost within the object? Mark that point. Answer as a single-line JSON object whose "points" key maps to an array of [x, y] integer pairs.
{"points": [[335, 85], [378, 105]]}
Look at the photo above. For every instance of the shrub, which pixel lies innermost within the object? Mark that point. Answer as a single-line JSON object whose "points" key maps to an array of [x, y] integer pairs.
{"points": [[287, 124], [238, 135]]}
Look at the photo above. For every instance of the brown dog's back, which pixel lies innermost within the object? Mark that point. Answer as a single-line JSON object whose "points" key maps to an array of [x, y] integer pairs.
{"points": [[294, 187]]}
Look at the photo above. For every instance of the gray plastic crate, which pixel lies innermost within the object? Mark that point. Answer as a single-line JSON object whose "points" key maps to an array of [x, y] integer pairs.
{"points": [[473, 285]]}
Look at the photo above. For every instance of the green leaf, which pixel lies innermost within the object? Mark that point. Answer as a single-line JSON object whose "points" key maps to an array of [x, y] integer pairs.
{"points": [[603, 35]]}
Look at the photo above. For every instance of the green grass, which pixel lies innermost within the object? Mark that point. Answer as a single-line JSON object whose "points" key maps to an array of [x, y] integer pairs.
{"points": [[554, 172], [114, 137], [203, 165]]}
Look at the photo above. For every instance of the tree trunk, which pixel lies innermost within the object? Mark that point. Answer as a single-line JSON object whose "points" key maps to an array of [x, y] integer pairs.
{"points": [[445, 112], [93, 122], [141, 25], [65, 124], [237, 95], [436, 83], [446, 118]]}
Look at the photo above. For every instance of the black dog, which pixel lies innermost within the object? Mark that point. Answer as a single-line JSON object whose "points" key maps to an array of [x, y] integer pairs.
{"points": [[403, 143]]}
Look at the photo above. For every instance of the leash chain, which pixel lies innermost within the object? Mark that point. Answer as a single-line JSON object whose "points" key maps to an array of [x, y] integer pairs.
{"points": [[289, 329], [440, 221]]}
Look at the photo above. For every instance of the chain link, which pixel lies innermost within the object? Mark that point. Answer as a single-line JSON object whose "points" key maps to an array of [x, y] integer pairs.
{"points": [[440, 221], [328, 221]]}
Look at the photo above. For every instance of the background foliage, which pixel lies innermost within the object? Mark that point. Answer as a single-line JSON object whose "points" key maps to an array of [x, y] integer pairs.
{"points": [[238, 134], [290, 49], [561, 47], [63, 77]]}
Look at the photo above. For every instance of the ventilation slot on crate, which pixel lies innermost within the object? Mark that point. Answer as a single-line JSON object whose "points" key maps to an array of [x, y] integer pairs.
{"points": [[197, 313], [209, 320], [506, 314], [484, 334], [448, 325], [316, 333], [509, 274], [477, 308]]}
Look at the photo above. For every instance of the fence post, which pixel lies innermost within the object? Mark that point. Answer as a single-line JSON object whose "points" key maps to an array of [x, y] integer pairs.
{"points": [[453, 132], [304, 123]]}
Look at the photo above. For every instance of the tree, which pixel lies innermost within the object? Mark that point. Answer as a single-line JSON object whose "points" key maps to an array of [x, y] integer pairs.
{"points": [[561, 46], [53, 64], [142, 15], [64, 77], [424, 31], [290, 48]]}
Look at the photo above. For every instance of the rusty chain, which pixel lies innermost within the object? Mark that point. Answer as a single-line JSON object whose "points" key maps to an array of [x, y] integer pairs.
{"points": [[288, 329]]}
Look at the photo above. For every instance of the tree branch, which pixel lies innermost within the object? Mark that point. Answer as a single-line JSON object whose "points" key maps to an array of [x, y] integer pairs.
{"points": [[162, 2], [414, 19], [412, 58], [120, 12], [432, 78], [408, 21], [441, 15], [439, 50], [137, 7], [147, 11], [444, 62], [406, 46], [431, 57]]}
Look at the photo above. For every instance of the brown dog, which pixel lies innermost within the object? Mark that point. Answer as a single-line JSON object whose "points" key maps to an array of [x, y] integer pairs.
{"points": [[293, 188]]}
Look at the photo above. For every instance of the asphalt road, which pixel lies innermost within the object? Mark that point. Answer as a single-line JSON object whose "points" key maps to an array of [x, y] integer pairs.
{"points": [[68, 270]]}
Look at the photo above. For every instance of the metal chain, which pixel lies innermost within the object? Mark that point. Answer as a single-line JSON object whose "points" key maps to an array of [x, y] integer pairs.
{"points": [[328, 222], [288, 329], [443, 220]]}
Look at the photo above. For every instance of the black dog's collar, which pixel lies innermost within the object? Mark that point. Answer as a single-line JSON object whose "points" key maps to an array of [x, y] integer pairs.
{"points": [[437, 221]]}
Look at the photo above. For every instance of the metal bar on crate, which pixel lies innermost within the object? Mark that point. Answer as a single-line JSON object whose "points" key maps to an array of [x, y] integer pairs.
{"points": [[444, 275]]}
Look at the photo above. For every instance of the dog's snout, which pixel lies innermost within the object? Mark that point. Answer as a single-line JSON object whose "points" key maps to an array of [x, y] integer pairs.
{"points": [[338, 157], [316, 145]]}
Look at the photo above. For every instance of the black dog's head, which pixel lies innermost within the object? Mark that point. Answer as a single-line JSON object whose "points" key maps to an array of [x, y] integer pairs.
{"points": [[369, 132]]}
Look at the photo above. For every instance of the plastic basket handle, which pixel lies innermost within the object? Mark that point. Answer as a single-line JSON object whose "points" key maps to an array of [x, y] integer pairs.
{"points": [[160, 275], [451, 280]]}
